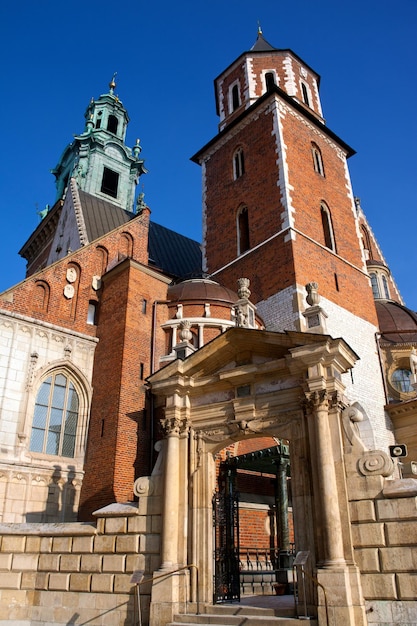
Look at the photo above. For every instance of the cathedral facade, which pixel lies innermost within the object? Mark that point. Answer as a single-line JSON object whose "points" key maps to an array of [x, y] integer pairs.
{"points": [[283, 337]]}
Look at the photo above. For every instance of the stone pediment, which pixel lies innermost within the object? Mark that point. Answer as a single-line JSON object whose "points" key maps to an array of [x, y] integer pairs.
{"points": [[246, 354]]}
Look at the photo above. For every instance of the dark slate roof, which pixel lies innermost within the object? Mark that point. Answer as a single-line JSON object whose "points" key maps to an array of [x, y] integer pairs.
{"points": [[172, 253], [101, 216], [261, 45]]}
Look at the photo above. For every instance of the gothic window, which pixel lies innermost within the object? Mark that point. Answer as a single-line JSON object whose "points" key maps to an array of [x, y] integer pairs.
{"points": [[238, 163], [269, 80], [375, 285], [366, 239], [235, 98], [112, 124], [110, 182], [326, 221], [304, 91], [385, 287], [317, 159], [243, 230], [55, 417]]}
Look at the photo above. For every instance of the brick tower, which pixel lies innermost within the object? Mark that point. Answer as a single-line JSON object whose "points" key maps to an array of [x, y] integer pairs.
{"points": [[278, 207]]}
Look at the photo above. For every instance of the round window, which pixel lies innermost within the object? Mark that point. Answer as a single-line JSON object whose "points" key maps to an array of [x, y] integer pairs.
{"points": [[401, 380]]}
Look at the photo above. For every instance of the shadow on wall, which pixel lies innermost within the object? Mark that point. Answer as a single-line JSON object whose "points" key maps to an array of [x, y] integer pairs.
{"points": [[60, 500]]}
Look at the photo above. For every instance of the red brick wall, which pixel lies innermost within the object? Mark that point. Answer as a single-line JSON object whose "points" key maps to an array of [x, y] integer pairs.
{"points": [[280, 264], [120, 435]]}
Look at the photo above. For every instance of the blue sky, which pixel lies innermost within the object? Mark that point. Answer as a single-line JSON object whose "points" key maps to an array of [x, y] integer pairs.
{"points": [[57, 55]]}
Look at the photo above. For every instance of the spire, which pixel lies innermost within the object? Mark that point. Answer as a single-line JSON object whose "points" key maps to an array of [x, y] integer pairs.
{"points": [[261, 44], [112, 83]]}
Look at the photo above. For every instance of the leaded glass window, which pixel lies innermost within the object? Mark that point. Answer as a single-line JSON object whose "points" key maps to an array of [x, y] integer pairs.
{"points": [[55, 417]]}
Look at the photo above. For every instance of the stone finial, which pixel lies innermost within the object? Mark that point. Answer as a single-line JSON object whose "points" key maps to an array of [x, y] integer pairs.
{"points": [[313, 297], [243, 288], [185, 332]]}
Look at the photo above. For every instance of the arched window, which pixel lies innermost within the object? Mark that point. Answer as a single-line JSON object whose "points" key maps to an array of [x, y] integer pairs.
{"points": [[112, 124], [238, 163], [235, 97], [55, 417], [326, 221], [375, 285], [243, 230], [304, 91], [317, 159], [269, 80], [366, 240]]}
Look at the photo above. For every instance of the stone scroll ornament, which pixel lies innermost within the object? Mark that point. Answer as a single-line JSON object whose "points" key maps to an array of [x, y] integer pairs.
{"points": [[151, 485], [375, 463], [371, 462]]}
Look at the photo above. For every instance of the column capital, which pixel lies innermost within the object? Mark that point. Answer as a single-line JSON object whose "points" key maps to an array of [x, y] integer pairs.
{"points": [[323, 400], [175, 426]]}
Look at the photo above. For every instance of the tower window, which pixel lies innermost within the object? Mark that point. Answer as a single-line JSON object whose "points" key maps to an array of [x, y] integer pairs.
{"points": [[317, 160], [243, 230], [55, 417], [110, 182], [269, 80], [326, 221], [304, 90], [238, 163], [235, 98], [112, 124]]}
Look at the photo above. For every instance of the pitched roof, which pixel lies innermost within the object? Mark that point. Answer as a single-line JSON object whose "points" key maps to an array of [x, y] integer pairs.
{"points": [[101, 216], [172, 253]]}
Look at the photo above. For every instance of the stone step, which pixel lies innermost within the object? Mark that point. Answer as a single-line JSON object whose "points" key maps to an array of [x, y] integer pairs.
{"points": [[238, 615]]}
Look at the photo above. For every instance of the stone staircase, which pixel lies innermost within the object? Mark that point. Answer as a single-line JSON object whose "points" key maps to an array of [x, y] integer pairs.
{"points": [[239, 615]]}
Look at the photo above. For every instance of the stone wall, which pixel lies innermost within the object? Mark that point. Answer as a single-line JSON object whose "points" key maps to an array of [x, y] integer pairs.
{"points": [[64, 574], [384, 533]]}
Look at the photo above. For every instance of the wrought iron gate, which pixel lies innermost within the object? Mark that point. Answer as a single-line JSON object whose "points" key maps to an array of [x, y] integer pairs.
{"points": [[226, 541]]}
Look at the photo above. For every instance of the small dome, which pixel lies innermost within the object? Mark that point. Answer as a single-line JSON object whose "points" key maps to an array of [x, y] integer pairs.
{"points": [[201, 289], [397, 324]]}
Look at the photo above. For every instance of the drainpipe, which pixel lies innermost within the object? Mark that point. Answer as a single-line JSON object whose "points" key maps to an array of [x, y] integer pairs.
{"points": [[152, 368]]}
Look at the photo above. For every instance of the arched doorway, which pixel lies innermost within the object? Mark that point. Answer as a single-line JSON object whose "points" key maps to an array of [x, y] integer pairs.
{"points": [[252, 384]]}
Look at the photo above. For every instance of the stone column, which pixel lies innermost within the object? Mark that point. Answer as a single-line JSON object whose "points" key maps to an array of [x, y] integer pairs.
{"points": [[318, 405], [169, 536]]}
